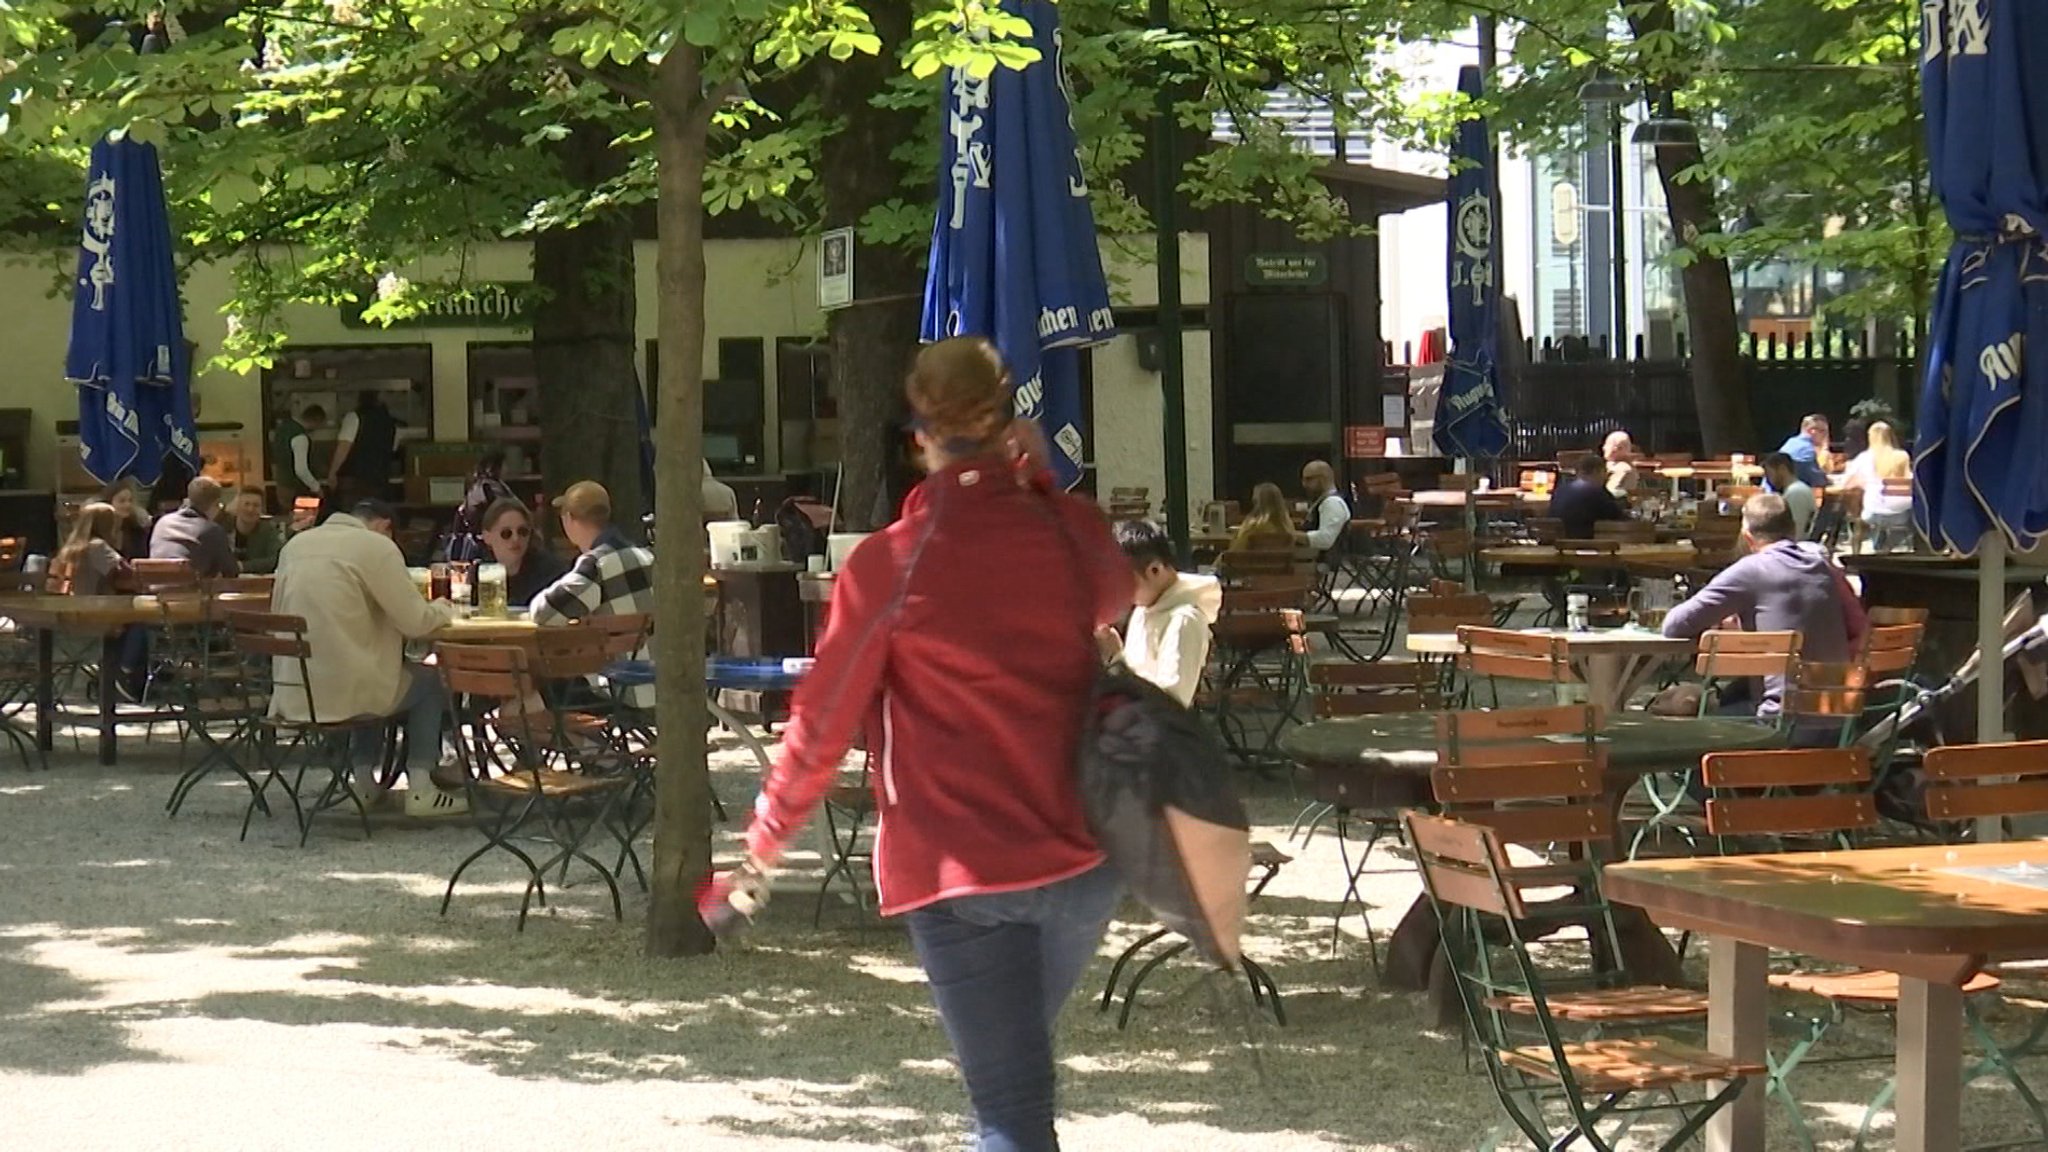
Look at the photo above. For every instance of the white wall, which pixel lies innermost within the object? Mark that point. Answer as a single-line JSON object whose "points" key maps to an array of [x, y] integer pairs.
{"points": [[1130, 413], [757, 288], [1130, 417]]}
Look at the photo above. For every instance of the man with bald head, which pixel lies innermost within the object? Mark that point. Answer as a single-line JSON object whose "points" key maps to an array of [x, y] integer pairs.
{"points": [[1328, 514], [190, 533]]}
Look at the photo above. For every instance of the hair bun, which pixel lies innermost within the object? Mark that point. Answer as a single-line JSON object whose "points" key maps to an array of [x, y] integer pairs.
{"points": [[959, 389]]}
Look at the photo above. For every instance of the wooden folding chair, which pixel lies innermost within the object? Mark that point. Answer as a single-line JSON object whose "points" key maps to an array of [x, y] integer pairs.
{"points": [[1258, 646], [1723, 655], [559, 806], [1500, 654], [276, 656], [1518, 1009], [152, 577]]}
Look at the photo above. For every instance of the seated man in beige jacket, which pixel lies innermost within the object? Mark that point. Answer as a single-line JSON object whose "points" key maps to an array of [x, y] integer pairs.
{"points": [[348, 579]]}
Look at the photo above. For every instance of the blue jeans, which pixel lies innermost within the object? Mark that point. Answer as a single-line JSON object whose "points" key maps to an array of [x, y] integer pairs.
{"points": [[424, 706], [1001, 966]]}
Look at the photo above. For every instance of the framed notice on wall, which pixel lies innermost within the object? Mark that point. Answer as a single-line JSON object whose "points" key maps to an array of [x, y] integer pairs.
{"points": [[835, 269], [1364, 441]]}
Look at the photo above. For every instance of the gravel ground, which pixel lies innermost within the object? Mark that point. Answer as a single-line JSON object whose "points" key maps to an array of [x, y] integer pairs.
{"points": [[163, 986]]}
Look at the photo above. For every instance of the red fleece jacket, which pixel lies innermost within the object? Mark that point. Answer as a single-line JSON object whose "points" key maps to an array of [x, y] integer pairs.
{"points": [[966, 630]]}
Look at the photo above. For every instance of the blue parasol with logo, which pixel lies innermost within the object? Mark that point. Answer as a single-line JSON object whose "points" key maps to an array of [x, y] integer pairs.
{"points": [[1469, 420], [127, 352], [1980, 480], [1014, 254]]}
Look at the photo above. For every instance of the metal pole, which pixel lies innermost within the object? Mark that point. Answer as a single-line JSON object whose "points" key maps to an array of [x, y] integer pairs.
{"points": [[1991, 657], [1619, 221], [1172, 377]]}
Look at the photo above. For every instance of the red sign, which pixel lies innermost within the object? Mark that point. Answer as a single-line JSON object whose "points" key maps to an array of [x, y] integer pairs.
{"points": [[1364, 441]]}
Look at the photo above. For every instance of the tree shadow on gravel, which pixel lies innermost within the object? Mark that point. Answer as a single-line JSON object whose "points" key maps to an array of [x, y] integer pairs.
{"points": [[39, 1033]]}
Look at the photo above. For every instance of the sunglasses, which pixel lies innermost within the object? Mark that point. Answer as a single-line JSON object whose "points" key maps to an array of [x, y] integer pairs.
{"points": [[509, 533]]}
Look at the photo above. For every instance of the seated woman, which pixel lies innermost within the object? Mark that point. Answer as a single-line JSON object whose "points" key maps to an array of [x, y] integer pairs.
{"points": [[530, 566], [1269, 525], [90, 564], [124, 497], [1888, 519]]}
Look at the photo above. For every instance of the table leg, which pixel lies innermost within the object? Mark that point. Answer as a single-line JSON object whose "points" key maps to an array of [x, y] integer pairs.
{"points": [[110, 658], [820, 835], [1930, 1066], [1737, 1026], [1605, 675], [46, 689]]}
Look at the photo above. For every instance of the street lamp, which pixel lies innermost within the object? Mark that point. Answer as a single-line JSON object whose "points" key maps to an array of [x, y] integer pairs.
{"points": [[1664, 132], [1605, 90]]}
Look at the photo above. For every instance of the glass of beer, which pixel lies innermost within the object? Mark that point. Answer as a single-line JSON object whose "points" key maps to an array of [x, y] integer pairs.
{"points": [[490, 591]]}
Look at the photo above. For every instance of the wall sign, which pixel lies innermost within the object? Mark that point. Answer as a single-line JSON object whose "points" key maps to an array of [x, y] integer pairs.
{"points": [[1286, 270], [1364, 441], [490, 304], [835, 269]]}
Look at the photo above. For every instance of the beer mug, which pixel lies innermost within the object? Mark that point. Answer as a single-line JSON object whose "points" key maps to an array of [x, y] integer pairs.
{"points": [[490, 590]]}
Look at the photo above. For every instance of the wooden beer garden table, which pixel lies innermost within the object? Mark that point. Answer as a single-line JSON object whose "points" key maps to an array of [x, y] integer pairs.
{"points": [[1385, 761], [1610, 662], [105, 616], [1935, 916], [1648, 559]]}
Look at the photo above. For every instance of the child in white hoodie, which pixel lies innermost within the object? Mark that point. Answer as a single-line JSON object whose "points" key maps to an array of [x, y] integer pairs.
{"points": [[1167, 638]]}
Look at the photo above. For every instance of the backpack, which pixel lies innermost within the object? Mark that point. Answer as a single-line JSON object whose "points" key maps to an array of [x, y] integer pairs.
{"points": [[1161, 799], [802, 523]]}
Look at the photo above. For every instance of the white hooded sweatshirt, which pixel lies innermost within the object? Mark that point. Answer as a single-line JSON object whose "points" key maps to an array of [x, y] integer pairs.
{"points": [[1168, 643]]}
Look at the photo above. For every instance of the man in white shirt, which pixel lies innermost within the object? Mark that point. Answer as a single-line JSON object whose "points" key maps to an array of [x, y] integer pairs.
{"points": [[347, 579], [1328, 514]]}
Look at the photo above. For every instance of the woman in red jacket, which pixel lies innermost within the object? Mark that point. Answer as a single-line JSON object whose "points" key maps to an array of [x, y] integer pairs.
{"points": [[966, 629]]}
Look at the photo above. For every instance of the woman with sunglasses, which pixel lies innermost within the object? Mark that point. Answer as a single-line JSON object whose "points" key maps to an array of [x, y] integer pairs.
{"points": [[530, 565]]}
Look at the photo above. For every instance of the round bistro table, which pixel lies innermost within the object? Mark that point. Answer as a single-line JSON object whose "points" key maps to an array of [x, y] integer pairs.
{"points": [[1382, 763]]}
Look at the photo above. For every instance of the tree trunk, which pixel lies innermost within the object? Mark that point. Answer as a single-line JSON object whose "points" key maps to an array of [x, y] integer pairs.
{"points": [[583, 346], [682, 812], [873, 340], [1720, 381]]}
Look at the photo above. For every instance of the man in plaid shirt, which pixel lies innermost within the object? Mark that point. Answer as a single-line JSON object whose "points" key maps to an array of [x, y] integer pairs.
{"points": [[614, 576]]}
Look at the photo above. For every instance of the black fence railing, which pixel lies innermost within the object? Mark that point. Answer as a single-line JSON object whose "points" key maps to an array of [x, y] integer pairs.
{"points": [[1570, 395]]}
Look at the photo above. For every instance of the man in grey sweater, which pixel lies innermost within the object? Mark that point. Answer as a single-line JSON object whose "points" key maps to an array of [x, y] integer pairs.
{"points": [[191, 533], [1781, 586]]}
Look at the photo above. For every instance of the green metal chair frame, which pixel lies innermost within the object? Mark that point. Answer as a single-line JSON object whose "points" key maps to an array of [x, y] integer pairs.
{"points": [[1258, 650], [204, 684], [1722, 654], [289, 750], [1535, 1071], [559, 806], [1360, 690]]}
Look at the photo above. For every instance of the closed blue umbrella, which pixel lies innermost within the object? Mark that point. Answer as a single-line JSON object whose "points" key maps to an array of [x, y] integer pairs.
{"points": [[1980, 478], [1469, 420], [1013, 254], [127, 352]]}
